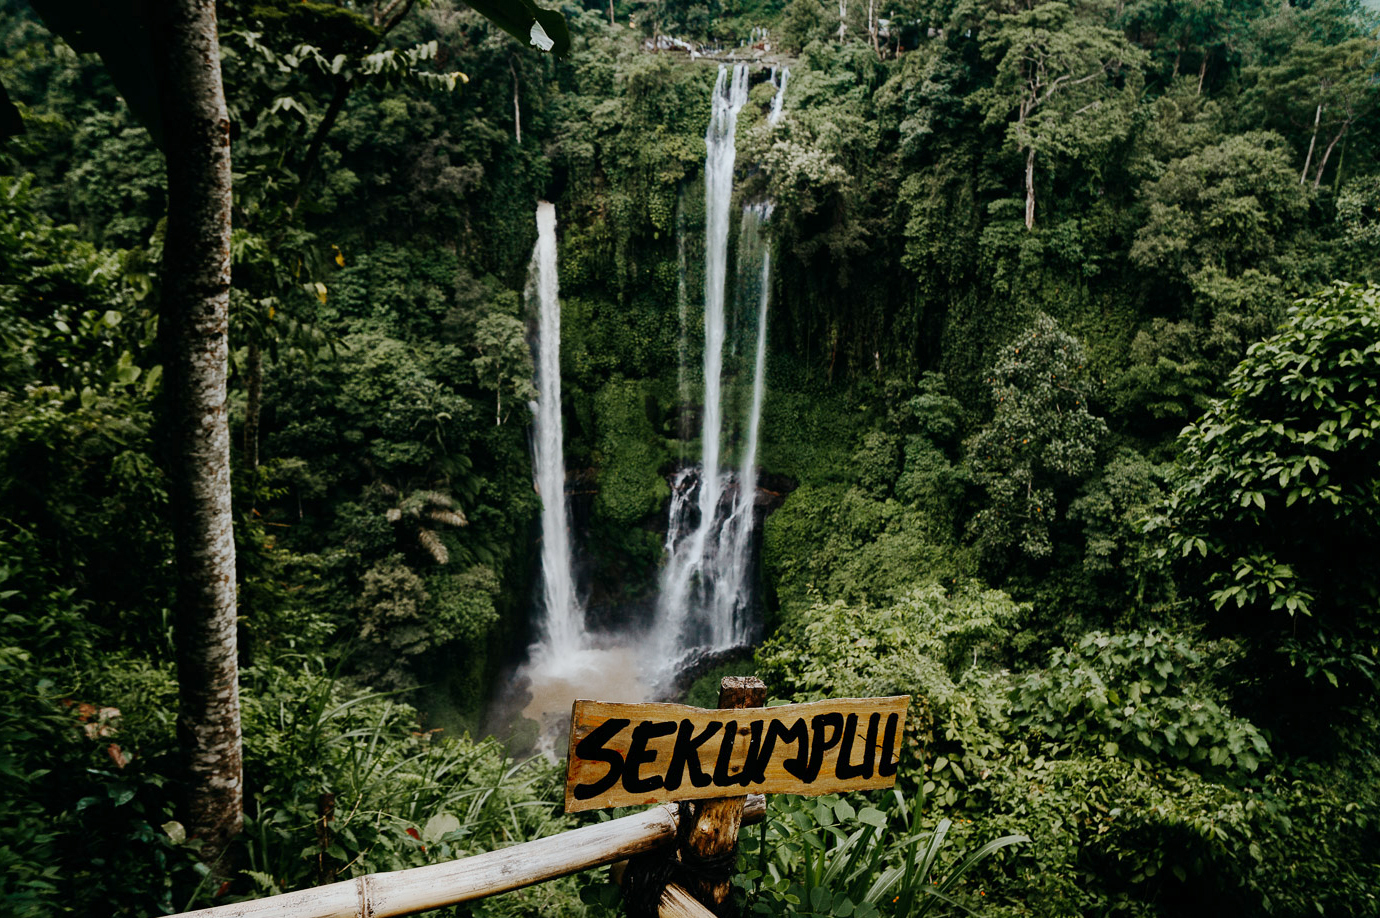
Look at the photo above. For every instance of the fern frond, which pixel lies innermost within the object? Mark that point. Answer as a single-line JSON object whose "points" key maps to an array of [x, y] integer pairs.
{"points": [[447, 517], [433, 545]]}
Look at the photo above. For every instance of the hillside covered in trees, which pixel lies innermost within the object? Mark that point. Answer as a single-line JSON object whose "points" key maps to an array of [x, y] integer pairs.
{"points": [[1070, 431]]}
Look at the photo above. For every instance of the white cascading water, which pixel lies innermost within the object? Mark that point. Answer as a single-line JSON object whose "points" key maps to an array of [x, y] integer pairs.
{"points": [[563, 625], [779, 98], [718, 193], [567, 662], [701, 597], [704, 587], [728, 622]]}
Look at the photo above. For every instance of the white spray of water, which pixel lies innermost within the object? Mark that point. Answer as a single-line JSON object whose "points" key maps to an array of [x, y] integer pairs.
{"points": [[563, 627], [779, 98]]}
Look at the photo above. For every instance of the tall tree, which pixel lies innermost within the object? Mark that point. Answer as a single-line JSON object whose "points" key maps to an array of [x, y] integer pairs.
{"points": [[193, 322], [165, 59], [1321, 89], [1059, 66]]}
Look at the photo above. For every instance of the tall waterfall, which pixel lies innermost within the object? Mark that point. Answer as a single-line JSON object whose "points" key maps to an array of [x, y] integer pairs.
{"points": [[779, 98], [563, 627], [718, 192], [703, 588], [728, 624]]}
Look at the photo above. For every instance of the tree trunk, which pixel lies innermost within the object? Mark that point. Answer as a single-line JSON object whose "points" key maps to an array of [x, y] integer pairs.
{"points": [[872, 26], [517, 106], [610, 12], [1308, 160], [1322, 166], [1030, 190], [194, 319], [1202, 70]]}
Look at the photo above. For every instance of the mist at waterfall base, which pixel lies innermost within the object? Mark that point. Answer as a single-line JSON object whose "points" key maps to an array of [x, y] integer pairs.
{"points": [[704, 602]]}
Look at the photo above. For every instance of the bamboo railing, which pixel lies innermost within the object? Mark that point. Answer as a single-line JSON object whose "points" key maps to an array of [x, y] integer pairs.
{"points": [[404, 892]]}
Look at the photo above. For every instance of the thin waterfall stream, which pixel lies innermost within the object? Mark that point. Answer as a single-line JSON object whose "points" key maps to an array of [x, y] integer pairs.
{"points": [[779, 99], [728, 622], [563, 616], [567, 660], [685, 584]]}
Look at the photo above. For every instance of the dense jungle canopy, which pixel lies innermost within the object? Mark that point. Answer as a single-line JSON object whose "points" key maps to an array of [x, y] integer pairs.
{"points": [[1071, 431]]}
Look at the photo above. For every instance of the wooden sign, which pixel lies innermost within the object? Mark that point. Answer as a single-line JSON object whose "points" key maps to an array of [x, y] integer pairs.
{"points": [[628, 754]]}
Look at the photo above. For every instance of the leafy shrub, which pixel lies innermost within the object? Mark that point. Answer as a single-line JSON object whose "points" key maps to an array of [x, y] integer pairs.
{"points": [[1141, 693], [837, 541], [630, 455], [1275, 504], [932, 644], [344, 783]]}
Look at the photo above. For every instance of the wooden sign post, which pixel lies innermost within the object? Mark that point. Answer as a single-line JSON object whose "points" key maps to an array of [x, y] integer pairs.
{"points": [[714, 831], [629, 754]]}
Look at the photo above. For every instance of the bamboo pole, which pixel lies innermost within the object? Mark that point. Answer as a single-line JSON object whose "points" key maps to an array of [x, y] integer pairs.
{"points": [[677, 903], [404, 892]]}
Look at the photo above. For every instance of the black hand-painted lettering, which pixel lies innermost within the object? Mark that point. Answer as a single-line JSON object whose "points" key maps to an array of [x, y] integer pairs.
{"points": [[758, 756], [796, 733], [721, 776], [639, 755], [844, 768], [891, 756], [874, 720], [591, 749], [686, 755], [819, 744]]}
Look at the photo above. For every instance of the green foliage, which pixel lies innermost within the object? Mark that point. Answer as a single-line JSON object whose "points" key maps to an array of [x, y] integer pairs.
{"points": [[806, 861], [804, 21], [504, 362], [629, 453], [379, 276], [1042, 438], [1118, 823], [1276, 490], [834, 540], [1134, 692], [1322, 85], [1356, 217], [1071, 80], [102, 724], [1117, 554], [807, 435], [1222, 221], [840, 649], [1168, 378], [348, 785]]}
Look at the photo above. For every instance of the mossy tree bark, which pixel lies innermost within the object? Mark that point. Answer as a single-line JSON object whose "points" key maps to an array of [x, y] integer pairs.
{"points": [[194, 319]]}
